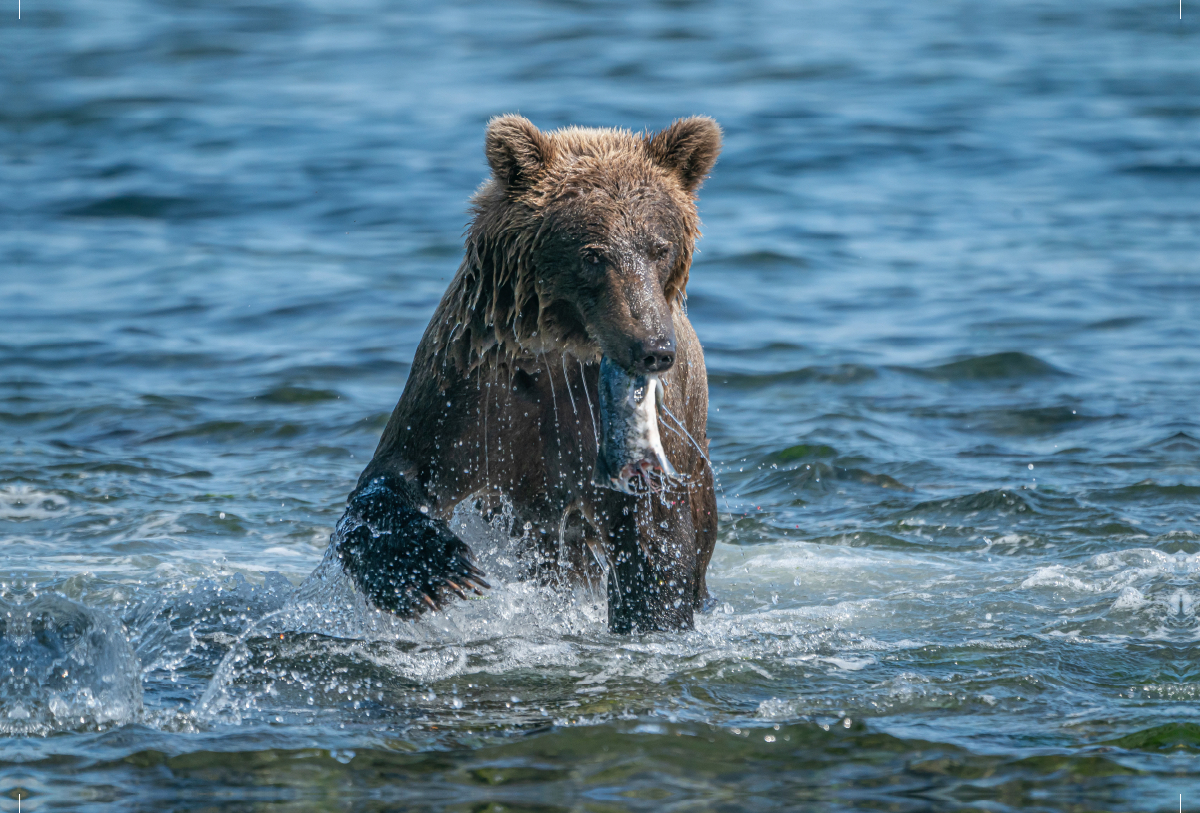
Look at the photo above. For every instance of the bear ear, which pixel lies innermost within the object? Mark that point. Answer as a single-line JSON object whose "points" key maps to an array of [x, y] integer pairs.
{"points": [[689, 148], [516, 151]]}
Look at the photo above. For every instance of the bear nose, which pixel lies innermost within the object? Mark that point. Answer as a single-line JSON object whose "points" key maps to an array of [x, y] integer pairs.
{"points": [[654, 356]]}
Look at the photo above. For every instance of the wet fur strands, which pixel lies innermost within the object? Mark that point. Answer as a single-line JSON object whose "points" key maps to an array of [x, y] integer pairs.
{"points": [[578, 252]]}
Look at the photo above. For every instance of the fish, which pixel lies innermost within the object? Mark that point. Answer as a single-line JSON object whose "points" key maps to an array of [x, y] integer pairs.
{"points": [[630, 457]]}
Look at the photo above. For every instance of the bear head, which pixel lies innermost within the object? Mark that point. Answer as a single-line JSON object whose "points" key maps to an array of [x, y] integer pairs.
{"points": [[581, 242]]}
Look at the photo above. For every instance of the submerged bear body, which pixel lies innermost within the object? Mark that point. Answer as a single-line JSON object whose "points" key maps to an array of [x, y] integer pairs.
{"points": [[579, 250]]}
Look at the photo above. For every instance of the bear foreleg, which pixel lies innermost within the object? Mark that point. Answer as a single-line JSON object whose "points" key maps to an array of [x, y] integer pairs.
{"points": [[652, 583]]}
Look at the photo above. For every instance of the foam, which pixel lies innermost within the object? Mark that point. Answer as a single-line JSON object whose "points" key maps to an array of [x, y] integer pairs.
{"points": [[1112, 572], [27, 502]]}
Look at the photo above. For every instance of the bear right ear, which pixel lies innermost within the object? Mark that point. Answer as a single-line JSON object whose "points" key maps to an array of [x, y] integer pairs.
{"points": [[689, 148], [516, 151]]}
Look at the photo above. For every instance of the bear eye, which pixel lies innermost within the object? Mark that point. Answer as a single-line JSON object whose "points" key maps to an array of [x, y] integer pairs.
{"points": [[659, 249], [591, 256]]}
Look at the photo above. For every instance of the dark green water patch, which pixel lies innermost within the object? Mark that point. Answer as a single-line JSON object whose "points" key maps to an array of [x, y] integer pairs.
{"points": [[1031, 421], [1169, 737], [1003, 502], [768, 260], [288, 394], [801, 451], [232, 431], [994, 367], [618, 766], [841, 374], [141, 205], [1151, 492], [817, 476]]}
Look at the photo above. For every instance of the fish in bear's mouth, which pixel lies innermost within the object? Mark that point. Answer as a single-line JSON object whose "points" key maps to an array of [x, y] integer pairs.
{"points": [[631, 457]]}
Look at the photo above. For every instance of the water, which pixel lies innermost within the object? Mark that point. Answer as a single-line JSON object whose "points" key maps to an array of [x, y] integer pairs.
{"points": [[948, 296]]}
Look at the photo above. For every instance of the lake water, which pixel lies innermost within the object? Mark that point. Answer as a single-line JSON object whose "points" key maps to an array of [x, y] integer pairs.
{"points": [[948, 292]]}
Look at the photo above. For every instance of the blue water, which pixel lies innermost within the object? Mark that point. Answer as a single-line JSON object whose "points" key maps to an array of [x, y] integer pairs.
{"points": [[949, 299]]}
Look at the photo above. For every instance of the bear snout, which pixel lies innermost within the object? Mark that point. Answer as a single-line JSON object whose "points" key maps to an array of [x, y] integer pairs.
{"points": [[653, 355]]}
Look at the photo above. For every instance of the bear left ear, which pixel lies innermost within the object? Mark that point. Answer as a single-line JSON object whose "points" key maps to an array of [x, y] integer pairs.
{"points": [[689, 148], [516, 151]]}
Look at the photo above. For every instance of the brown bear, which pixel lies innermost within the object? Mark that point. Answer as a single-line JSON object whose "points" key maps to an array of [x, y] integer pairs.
{"points": [[579, 249]]}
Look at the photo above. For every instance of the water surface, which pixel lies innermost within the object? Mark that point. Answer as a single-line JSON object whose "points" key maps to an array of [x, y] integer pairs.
{"points": [[947, 292]]}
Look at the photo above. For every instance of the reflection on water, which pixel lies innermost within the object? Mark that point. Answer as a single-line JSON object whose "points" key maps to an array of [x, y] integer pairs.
{"points": [[946, 292]]}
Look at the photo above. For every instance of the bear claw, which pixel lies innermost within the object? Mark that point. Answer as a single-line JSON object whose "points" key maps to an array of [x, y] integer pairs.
{"points": [[404, 561]]}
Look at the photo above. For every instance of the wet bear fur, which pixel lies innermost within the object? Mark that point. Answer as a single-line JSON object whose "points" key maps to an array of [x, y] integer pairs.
{"points": [[579, 247]]}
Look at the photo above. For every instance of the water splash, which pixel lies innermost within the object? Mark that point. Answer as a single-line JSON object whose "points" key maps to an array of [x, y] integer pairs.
{"points": [[66, 666], [327, 646]]}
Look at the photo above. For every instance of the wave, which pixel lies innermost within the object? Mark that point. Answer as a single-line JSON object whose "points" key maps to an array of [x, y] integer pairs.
{"points": [[1172, 738], [837, 374], [1002, 501], [817, 476], [1028, 422], [235, 430], [1150, 491], [758, 260], [992, 367], [141, 205], [288, 394], [27, 502]]}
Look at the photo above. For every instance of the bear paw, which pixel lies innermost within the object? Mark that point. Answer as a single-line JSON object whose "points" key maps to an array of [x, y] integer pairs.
{"points": [[404, 561]]}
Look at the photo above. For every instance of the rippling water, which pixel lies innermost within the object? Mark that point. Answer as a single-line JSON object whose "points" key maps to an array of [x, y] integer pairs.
{"points": [[948, 294]]}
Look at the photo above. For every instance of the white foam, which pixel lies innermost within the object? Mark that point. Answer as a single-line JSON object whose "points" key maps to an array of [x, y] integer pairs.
{"points": [[849, 664], [1113, 572], [26, 502], [1130, 598], [523, 625]]}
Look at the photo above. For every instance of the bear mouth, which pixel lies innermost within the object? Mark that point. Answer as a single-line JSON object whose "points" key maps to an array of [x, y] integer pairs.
{"points": [[646, 476], [630, 457]]}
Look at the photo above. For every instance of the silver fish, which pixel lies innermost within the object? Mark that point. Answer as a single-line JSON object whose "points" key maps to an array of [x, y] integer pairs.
{"points": [[631, 457]]}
